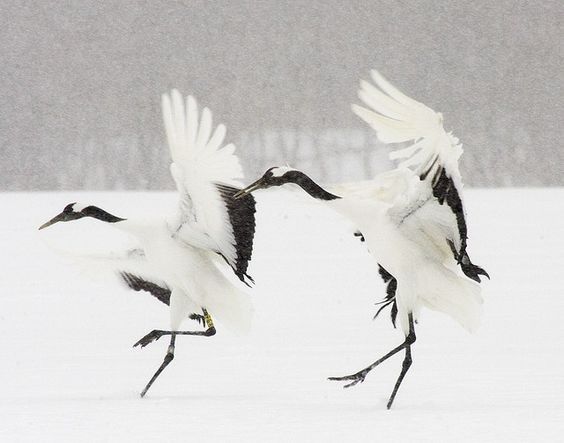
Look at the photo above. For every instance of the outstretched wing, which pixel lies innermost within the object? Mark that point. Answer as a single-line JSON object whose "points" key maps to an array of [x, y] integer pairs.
{"points": [[206, 173], [396, 118], [432, 156]]}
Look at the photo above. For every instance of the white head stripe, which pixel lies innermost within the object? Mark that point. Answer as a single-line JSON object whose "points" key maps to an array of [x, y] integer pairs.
{"points": [[78, 207], [281, 170]]}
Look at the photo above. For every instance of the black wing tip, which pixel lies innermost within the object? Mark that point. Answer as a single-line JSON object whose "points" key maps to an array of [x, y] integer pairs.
{"points": [[245, 278], [472, 271], [444, 190], [140, 284], [241, 214], [251, 279], [386, 276]]}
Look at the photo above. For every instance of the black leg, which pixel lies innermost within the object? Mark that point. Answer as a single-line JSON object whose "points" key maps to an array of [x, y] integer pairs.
{"points": [[168, 358], [359, 376], [157, 333], [404, 368]]}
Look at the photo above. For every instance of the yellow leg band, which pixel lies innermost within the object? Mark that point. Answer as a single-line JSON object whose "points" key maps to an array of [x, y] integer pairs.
{"points": [[207, 317]]}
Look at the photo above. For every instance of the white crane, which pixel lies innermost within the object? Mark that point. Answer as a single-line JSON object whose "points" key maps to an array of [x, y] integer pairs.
{"points": [[412, 217], [182, 254]]}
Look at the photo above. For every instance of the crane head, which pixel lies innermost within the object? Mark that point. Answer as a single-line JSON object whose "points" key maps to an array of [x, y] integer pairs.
{"points": [[75, 211], [275, 176]]}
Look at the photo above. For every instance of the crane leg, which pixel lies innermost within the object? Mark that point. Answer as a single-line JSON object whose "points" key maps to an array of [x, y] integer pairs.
{"points": [[359, 376], [404, 368], [169, 356]]}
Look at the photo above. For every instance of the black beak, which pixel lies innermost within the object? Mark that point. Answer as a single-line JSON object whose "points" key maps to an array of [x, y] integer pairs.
{"points": [[58, 218], [259, 184]]}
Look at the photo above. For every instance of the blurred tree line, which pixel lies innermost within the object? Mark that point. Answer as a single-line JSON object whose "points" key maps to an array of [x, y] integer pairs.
{"points": [[141, 160], [80, 85]]}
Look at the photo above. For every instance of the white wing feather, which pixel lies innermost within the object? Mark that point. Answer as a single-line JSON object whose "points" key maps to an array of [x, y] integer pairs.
{"points": [[411, 206], [397, 118], [199, 163]]}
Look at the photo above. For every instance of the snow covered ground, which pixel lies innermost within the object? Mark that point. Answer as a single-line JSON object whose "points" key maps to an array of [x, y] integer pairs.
{"points": [[69, 372]]}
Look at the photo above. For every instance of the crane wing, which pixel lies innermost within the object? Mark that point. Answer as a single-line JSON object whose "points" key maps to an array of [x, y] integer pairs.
{"points": [[435, 204], [206, 174], [397, 118]]}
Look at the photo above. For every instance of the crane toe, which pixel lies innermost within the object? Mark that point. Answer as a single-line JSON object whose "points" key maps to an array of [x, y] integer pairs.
{"points": [[152, 336], [355, 379]]}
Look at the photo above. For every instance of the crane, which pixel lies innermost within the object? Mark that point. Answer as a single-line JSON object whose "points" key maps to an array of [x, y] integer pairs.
{"points": [[183, 252], [412, 218]]}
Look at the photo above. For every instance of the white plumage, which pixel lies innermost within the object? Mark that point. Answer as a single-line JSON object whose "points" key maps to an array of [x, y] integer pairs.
{"points": [[412, 217], [199, 163], [180, 256], [405, 225]]}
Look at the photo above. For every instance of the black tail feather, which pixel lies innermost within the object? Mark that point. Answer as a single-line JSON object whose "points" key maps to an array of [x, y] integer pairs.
{"points": [[390, 299]]}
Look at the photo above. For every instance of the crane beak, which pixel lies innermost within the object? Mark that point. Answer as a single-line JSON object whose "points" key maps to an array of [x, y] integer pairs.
{"points": [[58, 218], [259, 184]]}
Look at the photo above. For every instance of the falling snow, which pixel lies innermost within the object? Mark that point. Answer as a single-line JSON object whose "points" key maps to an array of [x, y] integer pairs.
{"points": [[80, 85]]}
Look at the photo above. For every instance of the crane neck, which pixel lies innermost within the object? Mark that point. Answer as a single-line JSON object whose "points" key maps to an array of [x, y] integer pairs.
{"points": [[100, 214], [309, 186]]}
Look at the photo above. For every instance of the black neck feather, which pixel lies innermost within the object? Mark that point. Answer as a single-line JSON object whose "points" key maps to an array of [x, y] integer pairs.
{"points": [[100, 214], [308, 185]]}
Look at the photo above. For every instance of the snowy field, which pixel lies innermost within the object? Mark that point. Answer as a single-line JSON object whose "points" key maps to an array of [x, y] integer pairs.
{"points": [[69, 372]]}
